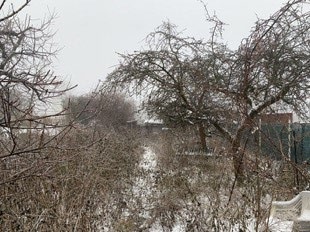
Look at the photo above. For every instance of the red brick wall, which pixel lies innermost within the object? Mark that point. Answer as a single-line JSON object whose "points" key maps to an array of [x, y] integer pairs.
{"points": [[277, 118]]}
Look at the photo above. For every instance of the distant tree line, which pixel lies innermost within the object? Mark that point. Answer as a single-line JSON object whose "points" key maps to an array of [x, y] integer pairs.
{"points": [[110, 109]]}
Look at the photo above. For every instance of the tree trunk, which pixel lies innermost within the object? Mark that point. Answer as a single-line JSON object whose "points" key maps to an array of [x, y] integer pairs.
{"points": [[238, 154], [202, 136]]}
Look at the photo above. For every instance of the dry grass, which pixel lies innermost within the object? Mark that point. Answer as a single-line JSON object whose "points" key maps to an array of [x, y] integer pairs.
{"points": [[92, 180], [73, 187]]}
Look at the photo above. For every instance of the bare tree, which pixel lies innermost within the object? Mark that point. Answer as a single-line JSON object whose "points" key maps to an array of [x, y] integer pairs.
{"points": [[27, 89], [105, 109], [269, 73], [174, 75], [12, 10], [206, 83]]}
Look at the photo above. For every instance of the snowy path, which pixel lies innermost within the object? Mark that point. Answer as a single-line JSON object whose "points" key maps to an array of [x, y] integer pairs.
{"points": [[144, 188], [145, 191], [148, 161], [145, 184]]}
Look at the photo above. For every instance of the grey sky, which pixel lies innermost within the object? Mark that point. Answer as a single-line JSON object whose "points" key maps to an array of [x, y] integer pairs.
{"points": [[92, 31]]}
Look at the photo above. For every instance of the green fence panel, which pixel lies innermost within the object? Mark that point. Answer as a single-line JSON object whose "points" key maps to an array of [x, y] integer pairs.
{"points": [[278, 140], [275, 140], [301, 142]]}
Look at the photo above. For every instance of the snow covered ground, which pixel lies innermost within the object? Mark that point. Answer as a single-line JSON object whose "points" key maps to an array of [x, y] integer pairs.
{"points": [[145, 189], [148, 161], [277, 225], [146, 186]]}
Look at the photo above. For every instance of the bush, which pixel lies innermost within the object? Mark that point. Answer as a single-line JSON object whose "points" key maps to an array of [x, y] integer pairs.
{"points": [[76, 186]]}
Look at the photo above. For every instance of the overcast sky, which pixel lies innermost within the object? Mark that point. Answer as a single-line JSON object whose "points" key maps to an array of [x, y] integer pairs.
{"points": [[92, 32]]}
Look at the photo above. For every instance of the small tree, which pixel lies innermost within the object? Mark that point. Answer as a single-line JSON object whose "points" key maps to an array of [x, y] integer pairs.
{"points": [[106, 109]]}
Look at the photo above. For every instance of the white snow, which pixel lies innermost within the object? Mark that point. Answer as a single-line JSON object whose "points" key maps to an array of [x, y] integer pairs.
{"points": [[148, 161], [145, 188], [277, 225]]}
